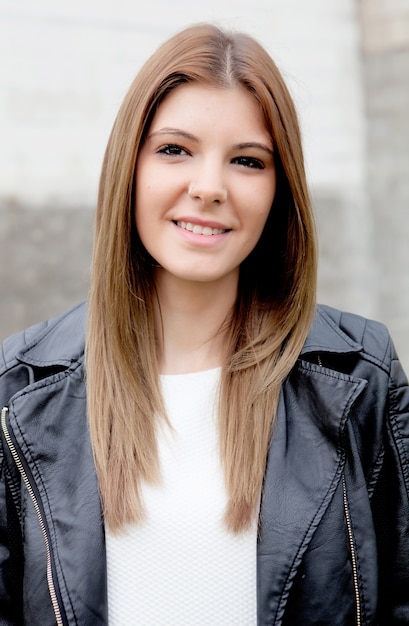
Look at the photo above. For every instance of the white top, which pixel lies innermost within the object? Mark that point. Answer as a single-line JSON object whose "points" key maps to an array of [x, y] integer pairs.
{"points": [[181, 567]]}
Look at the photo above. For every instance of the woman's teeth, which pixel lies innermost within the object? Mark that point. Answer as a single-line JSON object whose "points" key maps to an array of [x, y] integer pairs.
{"points": [[200, 230]]}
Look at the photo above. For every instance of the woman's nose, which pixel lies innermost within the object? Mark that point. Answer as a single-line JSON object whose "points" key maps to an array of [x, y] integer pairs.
{"points": [[208, 186]]}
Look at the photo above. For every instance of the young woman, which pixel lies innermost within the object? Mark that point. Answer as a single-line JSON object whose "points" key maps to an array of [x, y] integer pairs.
{"points": [[226, 452]]}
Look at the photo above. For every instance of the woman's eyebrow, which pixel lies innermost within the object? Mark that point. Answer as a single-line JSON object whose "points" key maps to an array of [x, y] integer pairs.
{"points": [[254, 144], [174, 131]]}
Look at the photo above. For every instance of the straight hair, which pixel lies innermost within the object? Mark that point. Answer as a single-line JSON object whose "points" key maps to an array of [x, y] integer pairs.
{"points": [[276, 293]]}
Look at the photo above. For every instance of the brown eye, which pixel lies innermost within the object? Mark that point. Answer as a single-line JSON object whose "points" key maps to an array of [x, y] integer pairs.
{"points": [[172, 149], [251, 162]]}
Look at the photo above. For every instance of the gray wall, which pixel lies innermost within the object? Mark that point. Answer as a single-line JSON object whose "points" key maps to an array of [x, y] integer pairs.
{"points": [[44, 262], [351, 87], [385, 56]]}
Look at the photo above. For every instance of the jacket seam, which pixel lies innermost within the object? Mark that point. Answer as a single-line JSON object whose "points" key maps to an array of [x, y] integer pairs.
{"points": [[8, 365], [46, 382], [394, 414], [376, 468], [309, 368], [375, 472]]}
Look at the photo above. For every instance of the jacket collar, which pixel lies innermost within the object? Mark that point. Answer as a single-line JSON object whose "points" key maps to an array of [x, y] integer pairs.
{"points": [[62, 342], [326, 334]]}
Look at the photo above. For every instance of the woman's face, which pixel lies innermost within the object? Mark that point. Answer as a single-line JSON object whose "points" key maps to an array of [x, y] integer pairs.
{"points": [[205, 182]]}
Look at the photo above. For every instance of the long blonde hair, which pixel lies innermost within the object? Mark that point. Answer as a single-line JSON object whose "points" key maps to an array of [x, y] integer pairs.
{"points": [[276, 296]]}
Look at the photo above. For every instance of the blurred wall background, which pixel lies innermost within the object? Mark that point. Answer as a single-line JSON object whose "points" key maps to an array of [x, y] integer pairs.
{"points": [[64, 69]]}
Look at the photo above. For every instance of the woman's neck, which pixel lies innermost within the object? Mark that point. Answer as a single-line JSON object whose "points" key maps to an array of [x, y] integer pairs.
{"points": [[191, 321]]}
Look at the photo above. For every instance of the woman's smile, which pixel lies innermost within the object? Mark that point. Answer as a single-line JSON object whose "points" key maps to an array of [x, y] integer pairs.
{"points": [[197, 229]]}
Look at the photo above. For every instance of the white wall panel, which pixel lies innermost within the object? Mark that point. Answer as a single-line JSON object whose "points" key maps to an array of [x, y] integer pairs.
{"points": [[68, 66]]}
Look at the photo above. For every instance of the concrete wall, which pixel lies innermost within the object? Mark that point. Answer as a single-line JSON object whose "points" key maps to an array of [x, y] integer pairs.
{"points": [[68, 67], [385, 50]]}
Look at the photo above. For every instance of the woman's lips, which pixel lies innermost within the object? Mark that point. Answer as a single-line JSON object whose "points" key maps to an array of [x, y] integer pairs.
{"points": [[197, 229]]}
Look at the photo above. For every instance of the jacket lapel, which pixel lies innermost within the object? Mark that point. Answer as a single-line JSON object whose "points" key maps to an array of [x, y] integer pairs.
{"points": [[304, 466], [49, 426]]}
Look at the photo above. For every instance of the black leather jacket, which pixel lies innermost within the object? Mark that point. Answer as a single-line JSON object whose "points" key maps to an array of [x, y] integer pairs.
{"points": [[334, 520]]}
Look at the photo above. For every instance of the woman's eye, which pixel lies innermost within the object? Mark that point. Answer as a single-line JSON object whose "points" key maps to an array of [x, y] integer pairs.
{"points": [[251, 162], [172, 150]]}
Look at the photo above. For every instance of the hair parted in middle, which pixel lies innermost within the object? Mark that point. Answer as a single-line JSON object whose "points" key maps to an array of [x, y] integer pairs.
{"points": [[276, 295]]}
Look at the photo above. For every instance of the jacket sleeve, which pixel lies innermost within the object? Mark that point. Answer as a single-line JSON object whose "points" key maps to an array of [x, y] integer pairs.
{"points": [[391, 503]]}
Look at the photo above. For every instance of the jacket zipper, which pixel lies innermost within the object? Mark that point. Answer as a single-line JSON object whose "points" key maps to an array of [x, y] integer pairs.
{"points": [[353, 554], [17, 460]]}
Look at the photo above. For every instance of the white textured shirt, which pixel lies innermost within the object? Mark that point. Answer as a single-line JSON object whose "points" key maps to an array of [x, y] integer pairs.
{"points": [[181, 567]]}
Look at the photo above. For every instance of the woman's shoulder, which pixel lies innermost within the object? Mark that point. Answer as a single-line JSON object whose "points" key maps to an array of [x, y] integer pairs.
{"points": [[354, 346], [58, 341], [341, 331]]}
